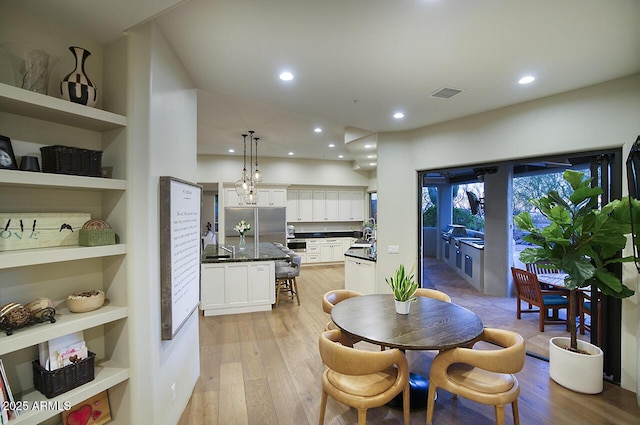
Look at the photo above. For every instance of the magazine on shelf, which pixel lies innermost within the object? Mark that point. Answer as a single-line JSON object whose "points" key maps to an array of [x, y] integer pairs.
{"points": [[7, 397], [62, 351]]}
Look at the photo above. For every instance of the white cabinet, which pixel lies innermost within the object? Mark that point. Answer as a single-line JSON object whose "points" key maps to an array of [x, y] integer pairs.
{"points": [[313, 251], [270, 197], [322, 205], [351, 205], [237, 287], [299, 205], [359, 275], [231, 198], [347, 243], [325, 205], [56, 272], [331, 250]]}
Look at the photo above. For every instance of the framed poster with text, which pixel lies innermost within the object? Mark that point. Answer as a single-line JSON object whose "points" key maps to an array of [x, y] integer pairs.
{"points": [[180, 206]]}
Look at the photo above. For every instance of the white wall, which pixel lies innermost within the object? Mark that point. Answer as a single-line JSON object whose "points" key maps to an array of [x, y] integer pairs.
{"points": [[282, 171], [602, 116], [162, 117]]}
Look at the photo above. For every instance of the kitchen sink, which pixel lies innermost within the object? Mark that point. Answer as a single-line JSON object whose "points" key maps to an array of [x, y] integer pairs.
{"points": [[361, 243]]}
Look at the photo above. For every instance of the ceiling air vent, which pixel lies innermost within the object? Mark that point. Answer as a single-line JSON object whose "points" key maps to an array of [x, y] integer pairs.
{"points": [[446, 92]]}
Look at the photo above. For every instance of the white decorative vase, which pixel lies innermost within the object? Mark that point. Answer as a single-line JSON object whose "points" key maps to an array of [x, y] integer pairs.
{"points": [[403, 307], [576, 371]]}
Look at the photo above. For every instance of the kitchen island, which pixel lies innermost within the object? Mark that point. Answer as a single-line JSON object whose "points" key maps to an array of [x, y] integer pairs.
{"points": [[360, 270], [240, 282]]}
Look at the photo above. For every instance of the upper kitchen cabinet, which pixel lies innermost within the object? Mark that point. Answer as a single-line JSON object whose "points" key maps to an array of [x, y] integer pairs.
{"points": [[325, 205], [272, 197], [299, 205], [231, 199], [351, 205], [267, 197]]}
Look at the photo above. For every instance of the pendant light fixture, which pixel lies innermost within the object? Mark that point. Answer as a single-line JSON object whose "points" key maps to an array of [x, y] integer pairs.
{"points": [[242, 185], [251, 194], [257, 174]]}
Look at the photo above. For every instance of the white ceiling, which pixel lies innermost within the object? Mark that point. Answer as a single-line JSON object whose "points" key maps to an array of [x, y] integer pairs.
{"points": [[356, 62]]}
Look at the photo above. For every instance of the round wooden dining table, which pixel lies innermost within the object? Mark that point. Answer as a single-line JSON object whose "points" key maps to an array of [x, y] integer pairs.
{"points": [[430, 325]]}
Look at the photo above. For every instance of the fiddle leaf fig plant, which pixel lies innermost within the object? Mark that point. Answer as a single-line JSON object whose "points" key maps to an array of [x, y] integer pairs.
{"points": [[582, 240], [403, 285]]}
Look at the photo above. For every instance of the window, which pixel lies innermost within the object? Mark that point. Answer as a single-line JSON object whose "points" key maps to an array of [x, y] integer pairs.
{"points": [[373, 205]]}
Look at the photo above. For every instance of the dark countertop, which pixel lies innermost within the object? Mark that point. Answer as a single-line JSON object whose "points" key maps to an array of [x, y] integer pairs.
{"points": [[361, 253], [266, 252]]}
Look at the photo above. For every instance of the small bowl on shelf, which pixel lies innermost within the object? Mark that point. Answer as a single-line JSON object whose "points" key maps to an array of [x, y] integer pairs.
{"points": [[82, 302]]}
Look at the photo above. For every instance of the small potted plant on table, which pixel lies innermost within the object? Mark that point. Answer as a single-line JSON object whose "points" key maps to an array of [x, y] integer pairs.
{"points": [[404, 289]]}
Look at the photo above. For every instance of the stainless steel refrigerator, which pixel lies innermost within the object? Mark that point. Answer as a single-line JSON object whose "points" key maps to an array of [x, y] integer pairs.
{"points": [[268, 224]]}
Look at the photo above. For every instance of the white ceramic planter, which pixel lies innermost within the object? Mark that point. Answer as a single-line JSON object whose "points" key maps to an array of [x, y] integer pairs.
{"points": [[403, 307], [578, 372]]}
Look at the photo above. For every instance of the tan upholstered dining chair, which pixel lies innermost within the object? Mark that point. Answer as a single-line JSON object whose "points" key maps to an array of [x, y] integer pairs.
{"points": [[329, 300], [362, 379], [485, 376], [433, 293]]}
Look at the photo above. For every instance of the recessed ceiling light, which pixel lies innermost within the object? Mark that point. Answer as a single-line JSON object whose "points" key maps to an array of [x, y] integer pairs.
{"points": [[372, 163], [526, 80], [232, 150], [331, 145], [286, 76], [398, 115], [367, 146], [370, 156], [290, 153], [317, 130], [340, 156]]}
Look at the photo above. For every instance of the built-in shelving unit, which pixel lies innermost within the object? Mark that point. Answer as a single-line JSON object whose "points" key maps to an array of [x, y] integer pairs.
{"points": [[24, 273], [31, 257], [105, 378], [66, 323], [58, 181], [34, 105]]}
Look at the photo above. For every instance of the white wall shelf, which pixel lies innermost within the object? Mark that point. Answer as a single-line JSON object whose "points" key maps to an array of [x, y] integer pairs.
{"points": [[35, 105], [19, 178], [30, 257], [40, 120], [105, 378], [66, 323]]}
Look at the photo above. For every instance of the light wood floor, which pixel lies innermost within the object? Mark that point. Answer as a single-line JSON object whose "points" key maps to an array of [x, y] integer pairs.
{"points": [[264, 368]]}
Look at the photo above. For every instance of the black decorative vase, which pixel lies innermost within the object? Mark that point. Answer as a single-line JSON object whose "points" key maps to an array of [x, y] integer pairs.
{"points": [[77, 87]]}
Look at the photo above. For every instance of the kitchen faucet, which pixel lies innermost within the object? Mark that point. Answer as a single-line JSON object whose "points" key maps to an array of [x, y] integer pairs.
{"points": [[231, 250], [369, 231]]}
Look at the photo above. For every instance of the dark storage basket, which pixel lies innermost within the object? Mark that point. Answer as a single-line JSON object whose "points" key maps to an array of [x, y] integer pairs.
{"points": [[67, 160], [52, 383]]}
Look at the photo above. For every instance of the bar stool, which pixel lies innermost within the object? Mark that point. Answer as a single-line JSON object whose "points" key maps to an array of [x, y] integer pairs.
{"points": [[286, 284]]}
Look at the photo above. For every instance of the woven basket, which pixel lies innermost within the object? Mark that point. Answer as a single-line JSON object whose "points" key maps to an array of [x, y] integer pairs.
{"points": [[75, 161], [96, 237], [55, 382]]}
